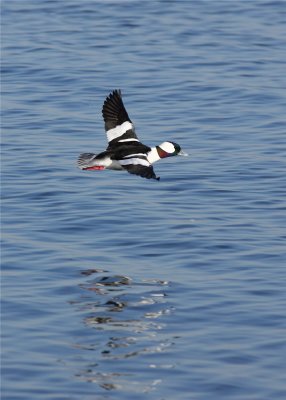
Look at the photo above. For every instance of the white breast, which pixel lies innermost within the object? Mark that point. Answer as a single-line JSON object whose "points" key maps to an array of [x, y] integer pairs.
{"points": [[153, 155]]}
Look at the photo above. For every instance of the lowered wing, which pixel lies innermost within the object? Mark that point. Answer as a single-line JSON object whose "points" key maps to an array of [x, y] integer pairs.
{"points": [[138, 164]]}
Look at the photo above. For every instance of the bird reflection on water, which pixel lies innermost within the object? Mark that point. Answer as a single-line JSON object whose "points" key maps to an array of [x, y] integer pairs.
{"points": [[124, 319]]}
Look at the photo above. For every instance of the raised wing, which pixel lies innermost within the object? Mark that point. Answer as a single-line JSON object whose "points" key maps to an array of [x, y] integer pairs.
{"points": [[118, 125]]}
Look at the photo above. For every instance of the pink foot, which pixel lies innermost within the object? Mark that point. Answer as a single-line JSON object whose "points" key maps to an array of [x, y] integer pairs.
{"points": [[96, 167]]}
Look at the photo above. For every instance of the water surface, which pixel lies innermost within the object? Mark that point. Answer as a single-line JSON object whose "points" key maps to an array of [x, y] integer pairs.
{"points": [[116, 287]]}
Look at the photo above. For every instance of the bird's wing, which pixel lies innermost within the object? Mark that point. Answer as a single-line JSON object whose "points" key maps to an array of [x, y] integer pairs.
{"points": [[138, 164], [118, 126]]}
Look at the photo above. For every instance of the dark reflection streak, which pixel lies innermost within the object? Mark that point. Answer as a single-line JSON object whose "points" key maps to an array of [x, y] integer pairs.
{"points": [[133, 334]]}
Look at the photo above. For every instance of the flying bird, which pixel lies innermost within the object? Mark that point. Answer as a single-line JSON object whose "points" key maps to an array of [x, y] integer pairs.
{"points": [[124, 150]]}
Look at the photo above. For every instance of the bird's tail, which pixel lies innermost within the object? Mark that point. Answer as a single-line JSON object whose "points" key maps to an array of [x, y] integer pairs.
{"points": [[87, 161]]}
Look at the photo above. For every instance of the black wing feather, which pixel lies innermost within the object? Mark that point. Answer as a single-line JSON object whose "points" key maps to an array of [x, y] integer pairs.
{"points": [[141, 170], [113, 111]]}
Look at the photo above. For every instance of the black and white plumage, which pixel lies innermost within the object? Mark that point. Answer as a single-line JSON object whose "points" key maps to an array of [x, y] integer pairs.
{"points": [[125, 151]]}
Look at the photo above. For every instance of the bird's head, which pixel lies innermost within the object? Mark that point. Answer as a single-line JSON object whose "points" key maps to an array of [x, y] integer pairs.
{"points": [[169, 149]]}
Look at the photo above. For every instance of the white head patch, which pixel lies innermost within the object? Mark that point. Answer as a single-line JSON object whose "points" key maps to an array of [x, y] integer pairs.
{"points": [[168, 147]]}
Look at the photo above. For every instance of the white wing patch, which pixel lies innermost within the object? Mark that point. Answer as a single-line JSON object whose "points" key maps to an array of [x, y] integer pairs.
{"points": [[136, 155], [135, 161], [128, 140], [118, 131]]}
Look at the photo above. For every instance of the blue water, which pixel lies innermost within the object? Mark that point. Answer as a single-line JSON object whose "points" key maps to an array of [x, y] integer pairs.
{"points": [[116, 287]]}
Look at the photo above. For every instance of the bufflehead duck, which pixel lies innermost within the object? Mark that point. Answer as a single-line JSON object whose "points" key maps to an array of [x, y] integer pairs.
{"points": [[125, 151]]}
